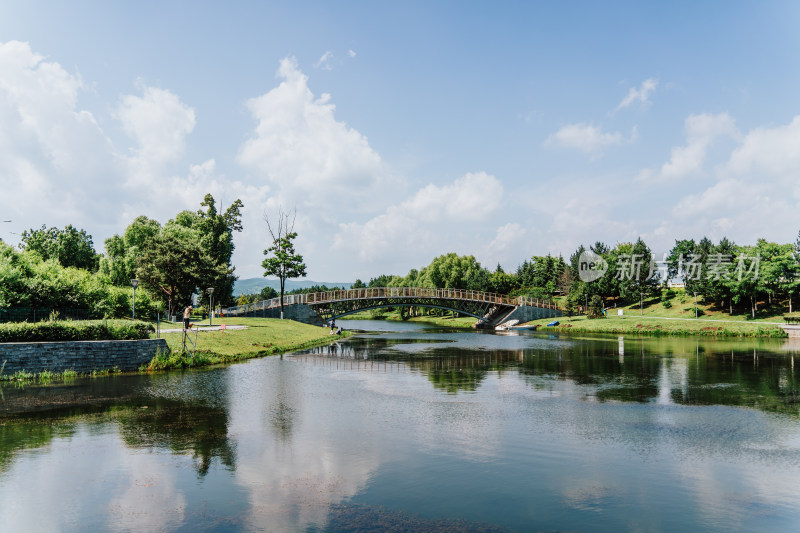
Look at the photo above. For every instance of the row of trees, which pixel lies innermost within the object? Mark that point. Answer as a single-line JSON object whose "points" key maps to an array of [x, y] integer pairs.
{"points": [[60, 268], [539, 278], [733, 278]]}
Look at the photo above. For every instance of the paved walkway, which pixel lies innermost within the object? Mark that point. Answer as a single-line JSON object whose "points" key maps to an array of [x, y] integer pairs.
{"points": [[202, 328]]}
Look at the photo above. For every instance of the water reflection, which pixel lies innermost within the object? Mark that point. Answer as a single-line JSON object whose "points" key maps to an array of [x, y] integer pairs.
{"points": [[418, 430]]}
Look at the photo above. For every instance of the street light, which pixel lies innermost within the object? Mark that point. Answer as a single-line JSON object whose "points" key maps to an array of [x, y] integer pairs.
{"points": [[210, 304], [134, 284]]}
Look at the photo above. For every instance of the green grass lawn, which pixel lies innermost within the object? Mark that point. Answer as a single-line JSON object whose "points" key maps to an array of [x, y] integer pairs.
{"points": [[678, 318], [263, 336], [651, 325]]}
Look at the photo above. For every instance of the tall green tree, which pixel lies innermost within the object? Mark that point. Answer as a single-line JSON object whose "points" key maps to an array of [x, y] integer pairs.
{"points": [[174, 265], [71, 247], [216, 239], [217, 229], [282, 260], [452, 271], [121, 259]]}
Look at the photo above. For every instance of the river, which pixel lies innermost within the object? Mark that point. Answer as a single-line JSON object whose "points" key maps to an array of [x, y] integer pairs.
{"points": [[413, 429]]}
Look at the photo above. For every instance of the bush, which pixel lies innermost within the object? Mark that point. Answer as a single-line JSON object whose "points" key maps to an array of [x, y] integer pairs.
{"points": [[90, 330], [595, 307]]}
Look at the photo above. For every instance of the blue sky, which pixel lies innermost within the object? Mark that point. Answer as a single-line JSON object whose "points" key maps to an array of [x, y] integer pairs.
{"points": [[402, 131]]}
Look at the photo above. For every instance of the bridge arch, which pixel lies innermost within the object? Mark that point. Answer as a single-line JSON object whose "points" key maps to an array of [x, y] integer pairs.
{"points": [[485, 306]]}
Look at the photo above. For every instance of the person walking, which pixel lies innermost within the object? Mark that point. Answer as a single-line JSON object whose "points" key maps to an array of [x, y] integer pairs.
{"points": [[187, 313]]}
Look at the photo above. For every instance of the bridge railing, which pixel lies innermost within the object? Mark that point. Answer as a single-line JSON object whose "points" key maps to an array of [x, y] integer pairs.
{"points": [[388, 292]]}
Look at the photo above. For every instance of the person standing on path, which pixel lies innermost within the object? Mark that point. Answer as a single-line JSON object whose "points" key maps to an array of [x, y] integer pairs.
{"points": [[186, 314]]}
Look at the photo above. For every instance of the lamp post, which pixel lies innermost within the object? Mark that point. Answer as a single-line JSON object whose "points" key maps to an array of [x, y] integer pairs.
{"points": [[134, 284], [695, 304], [210, 304]]}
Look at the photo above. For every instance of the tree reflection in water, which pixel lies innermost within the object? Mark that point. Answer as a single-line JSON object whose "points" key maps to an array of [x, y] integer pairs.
{"points": [[144, 421], [686, 371], [181, 428]]}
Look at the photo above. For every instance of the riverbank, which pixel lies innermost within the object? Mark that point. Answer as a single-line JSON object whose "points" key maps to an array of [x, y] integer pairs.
{"points": [[649, 325], [261, 337]]}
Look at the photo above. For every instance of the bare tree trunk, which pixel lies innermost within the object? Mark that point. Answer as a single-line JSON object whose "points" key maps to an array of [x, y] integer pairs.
{"points": [[282, 298]]}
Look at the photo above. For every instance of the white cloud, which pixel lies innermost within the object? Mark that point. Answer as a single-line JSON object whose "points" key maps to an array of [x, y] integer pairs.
{"points": [[771, 151], [639, 94], [324, 61], [756, 188], [507, 242], [58, 167], [351, 53], [159, 122], [434, 220], [587, 138], [47, 142], [701, 131], [300, 147]]}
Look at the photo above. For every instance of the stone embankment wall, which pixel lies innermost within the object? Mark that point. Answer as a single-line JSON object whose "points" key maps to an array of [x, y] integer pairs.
{"points": [[525, 313], [792, 330], [81, 356]]}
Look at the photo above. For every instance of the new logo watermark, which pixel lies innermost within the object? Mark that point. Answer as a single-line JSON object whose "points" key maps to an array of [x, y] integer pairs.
{"points": [[591, 266]]}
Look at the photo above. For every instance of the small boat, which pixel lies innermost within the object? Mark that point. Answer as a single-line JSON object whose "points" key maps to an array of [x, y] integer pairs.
{"points": [[553, 323], [523, 327], [506, 325]]}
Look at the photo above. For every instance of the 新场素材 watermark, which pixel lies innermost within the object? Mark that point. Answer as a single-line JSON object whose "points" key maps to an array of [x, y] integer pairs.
{"points": [[692, 267]]}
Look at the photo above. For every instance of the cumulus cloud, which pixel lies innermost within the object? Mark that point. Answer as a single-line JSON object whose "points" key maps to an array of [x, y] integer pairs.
{"points": [[351, 53], [701, 131], [46, 141], [58, 167], [159, 122], [587, 138], [300, 147], [639, 94], [771, 151], [434, 219], [754, 188]]}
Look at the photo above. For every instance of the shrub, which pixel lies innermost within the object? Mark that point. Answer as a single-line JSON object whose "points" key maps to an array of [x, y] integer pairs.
{"points": [[595, 306], [90, 330]]}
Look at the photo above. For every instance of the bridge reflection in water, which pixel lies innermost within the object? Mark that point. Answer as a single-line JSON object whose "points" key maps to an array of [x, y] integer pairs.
{"points": [[489, 308]]}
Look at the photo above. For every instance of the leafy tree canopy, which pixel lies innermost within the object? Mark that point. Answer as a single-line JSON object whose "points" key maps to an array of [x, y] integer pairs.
{"points": [[70, 247]]}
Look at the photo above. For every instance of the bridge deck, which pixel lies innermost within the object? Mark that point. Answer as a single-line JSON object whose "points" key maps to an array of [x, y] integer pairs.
{"points": [[396, 294]]}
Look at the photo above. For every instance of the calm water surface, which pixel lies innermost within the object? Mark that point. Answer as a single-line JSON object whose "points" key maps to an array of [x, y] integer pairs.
{"points": [[419, 429]]}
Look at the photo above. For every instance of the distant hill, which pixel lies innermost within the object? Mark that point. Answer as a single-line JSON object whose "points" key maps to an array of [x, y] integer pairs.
{"points": [[254, 285]]}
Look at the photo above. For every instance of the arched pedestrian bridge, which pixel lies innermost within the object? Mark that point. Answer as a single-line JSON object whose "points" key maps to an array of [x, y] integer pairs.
{"points": [[489, 308]]}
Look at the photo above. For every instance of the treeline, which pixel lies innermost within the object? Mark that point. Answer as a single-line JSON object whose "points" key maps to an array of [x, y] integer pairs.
{"points": [[173, 262], [734, 278], [540, 277]]}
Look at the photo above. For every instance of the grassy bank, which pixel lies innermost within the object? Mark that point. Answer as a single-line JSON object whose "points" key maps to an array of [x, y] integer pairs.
{"points": [[675, 317], [263, 336], [649, 325]]}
